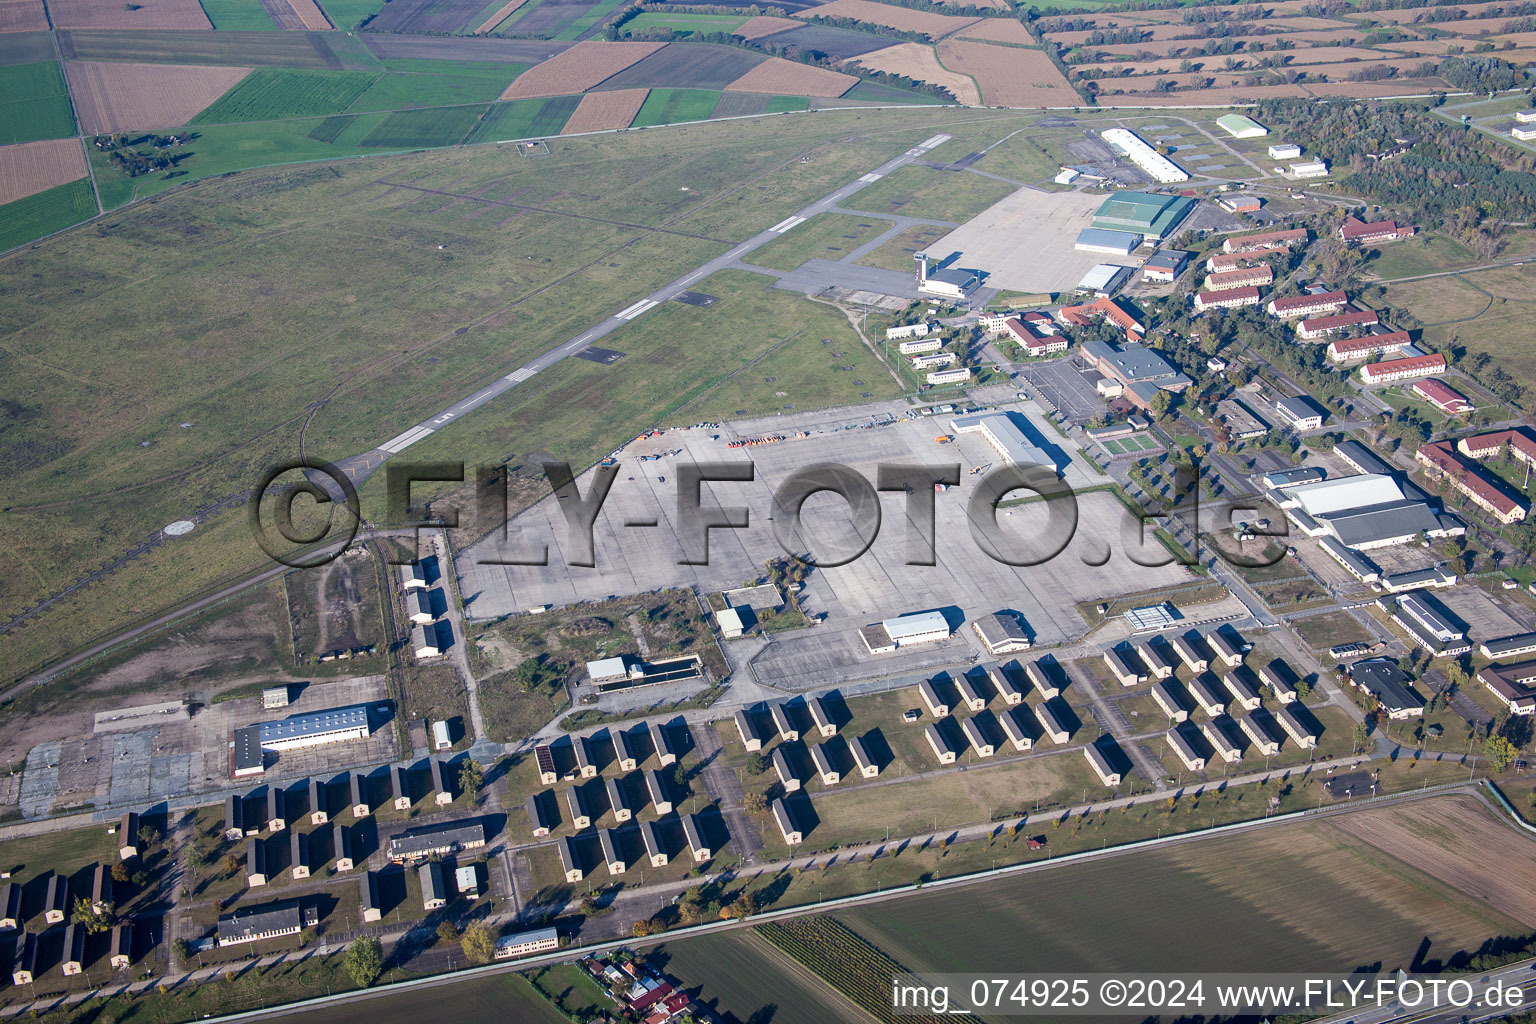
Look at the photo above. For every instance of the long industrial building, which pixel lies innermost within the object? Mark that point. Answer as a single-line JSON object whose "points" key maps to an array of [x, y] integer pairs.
{"points": [[334, 725], [1007, 439], [1135, 149]]}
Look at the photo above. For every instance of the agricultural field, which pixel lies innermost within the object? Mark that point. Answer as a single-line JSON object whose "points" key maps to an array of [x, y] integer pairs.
{"points": [[525, 119], [34, 167], [423, 129], [740, 104], [335, 51], [1337, 893], [447, 85], [836, 43], [605, 111], [114, 97], [143, 14], [932, 194], [43, 213], [741, 973], [905, 19], [427, 16], [272, 94], [35, 105], [349, 14], [921, 63], [683, 22], [669, 106], [785, 77], [578, 69], [238, 16], [842, 958], [23, 16], [498, 16], [687, 65], [1009, 76], [828, 236]]}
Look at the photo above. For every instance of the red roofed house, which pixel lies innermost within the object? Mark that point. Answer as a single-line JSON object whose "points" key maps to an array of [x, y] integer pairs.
{"points": [[1229, 299], [1267, 240], [1442, 396], [1033, 341], [1403, 369], [1441, 461], [1041, 322], [1087, 313], [1308, 305], [1322, 326], [1241, 278], [1348, 350], [1486, 446], [1358, 231]]}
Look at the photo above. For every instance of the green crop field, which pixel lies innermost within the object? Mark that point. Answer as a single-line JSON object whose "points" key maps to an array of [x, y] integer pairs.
{"points": [[669, 106], [684, 22], [936, 195], [403, 91], [238, 15], [409, 129], [271, 94], [347, 14], [742, 974], [525, 119], [1427, 254], [597, 13], [46, 212], [34, 103], [354, 289], [828, 236]]}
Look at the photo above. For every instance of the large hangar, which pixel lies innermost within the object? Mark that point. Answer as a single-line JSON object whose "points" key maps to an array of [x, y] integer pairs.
{"points": [[1149, 214]]}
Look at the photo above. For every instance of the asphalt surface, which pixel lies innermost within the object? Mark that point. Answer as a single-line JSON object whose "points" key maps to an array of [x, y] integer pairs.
{"points": [[360, 467]]}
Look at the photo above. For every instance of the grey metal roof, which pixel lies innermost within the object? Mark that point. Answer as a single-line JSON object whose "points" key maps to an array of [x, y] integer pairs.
{"points": [[248, 754], [243, 925], [1300, 407], [424, 841], [1363, 459], [313, 723], [1376, 523], [1507, 644], [1386, 682]]}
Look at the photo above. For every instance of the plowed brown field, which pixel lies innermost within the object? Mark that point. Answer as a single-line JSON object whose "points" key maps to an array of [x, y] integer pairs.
{"points": [[187, 14], [23, 16], [905, 19], [500, 16], [918, 61], [763, 25], [310, 14], [1009, 77], [34, 167], [998, 30], [113, 97], [786, 77], [578, 69], [600, 111]]}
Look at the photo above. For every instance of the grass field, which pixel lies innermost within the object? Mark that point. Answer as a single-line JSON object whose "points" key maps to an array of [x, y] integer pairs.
{"points": [[361, 296], [669, 106], [681, 22], [828, 236], [742, 974], [1032, 157], [272, 94], [35, 105], [403, 91], [46, 212], [239, 16], [1429, 254], [937, 195], [525, 119], [598, 12], [346, 14], [896, 252], [1440, 299]]}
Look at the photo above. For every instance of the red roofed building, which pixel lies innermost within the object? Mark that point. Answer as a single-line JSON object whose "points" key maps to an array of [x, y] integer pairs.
{"points": [[1087, 313], [1267, 240], [1443, 397], [1486, 446], [1241, 278], [1359, 232], [1347, 350], [1322, 326], [1033, 341], [1403, 369], [1308, 305], [1221, 262], [1041, 322], [1441, 461], [650, 996], [1229, 299]]}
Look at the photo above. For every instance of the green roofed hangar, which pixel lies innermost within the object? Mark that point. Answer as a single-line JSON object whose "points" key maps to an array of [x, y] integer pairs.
{"points": [[1143, 213]]}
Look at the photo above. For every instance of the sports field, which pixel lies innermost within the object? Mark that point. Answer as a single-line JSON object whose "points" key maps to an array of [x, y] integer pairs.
{"points": [[353, 306]]}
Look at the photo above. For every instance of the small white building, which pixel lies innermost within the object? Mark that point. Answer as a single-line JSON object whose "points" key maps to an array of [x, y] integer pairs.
{"points": [[1101, 766], [786, 773], [868, 767], [1284, 151], [750, 740], [954, 376], [781, 721], [936, 705], [1215, 732], [1263, 742], [730, 623], [1019, 726], [977, 738], [1066, 176], [830, 776], [441, 740], [1186, 751], [1309, 169], [786, 822], [1051, 723], [941, 748], [914, 348], [820, 717]]}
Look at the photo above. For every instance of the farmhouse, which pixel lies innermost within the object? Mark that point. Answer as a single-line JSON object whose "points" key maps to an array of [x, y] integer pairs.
{"points": [[1231, 298], [1101, 765], [1185, 750], [941, 748], [1320, 327], [1403, 369], [1513, 685], [1307, 305], [1382, 679]]}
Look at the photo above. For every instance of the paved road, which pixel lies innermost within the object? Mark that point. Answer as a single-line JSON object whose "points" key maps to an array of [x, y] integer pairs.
{"points": [[360, 467]]}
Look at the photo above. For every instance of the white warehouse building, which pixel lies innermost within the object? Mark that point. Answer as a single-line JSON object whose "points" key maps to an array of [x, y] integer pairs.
{"points": [[1136, 150], [905, 630]]}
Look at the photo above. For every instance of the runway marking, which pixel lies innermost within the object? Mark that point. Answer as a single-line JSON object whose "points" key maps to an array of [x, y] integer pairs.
{"points": [[784, 225], [518, 376], [937, 140], [403, 441], [871, 177], [445, 417], [636, 309]]}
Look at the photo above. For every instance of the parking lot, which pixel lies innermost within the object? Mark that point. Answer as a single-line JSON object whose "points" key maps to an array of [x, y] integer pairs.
{"points": [[1068, 386]]}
